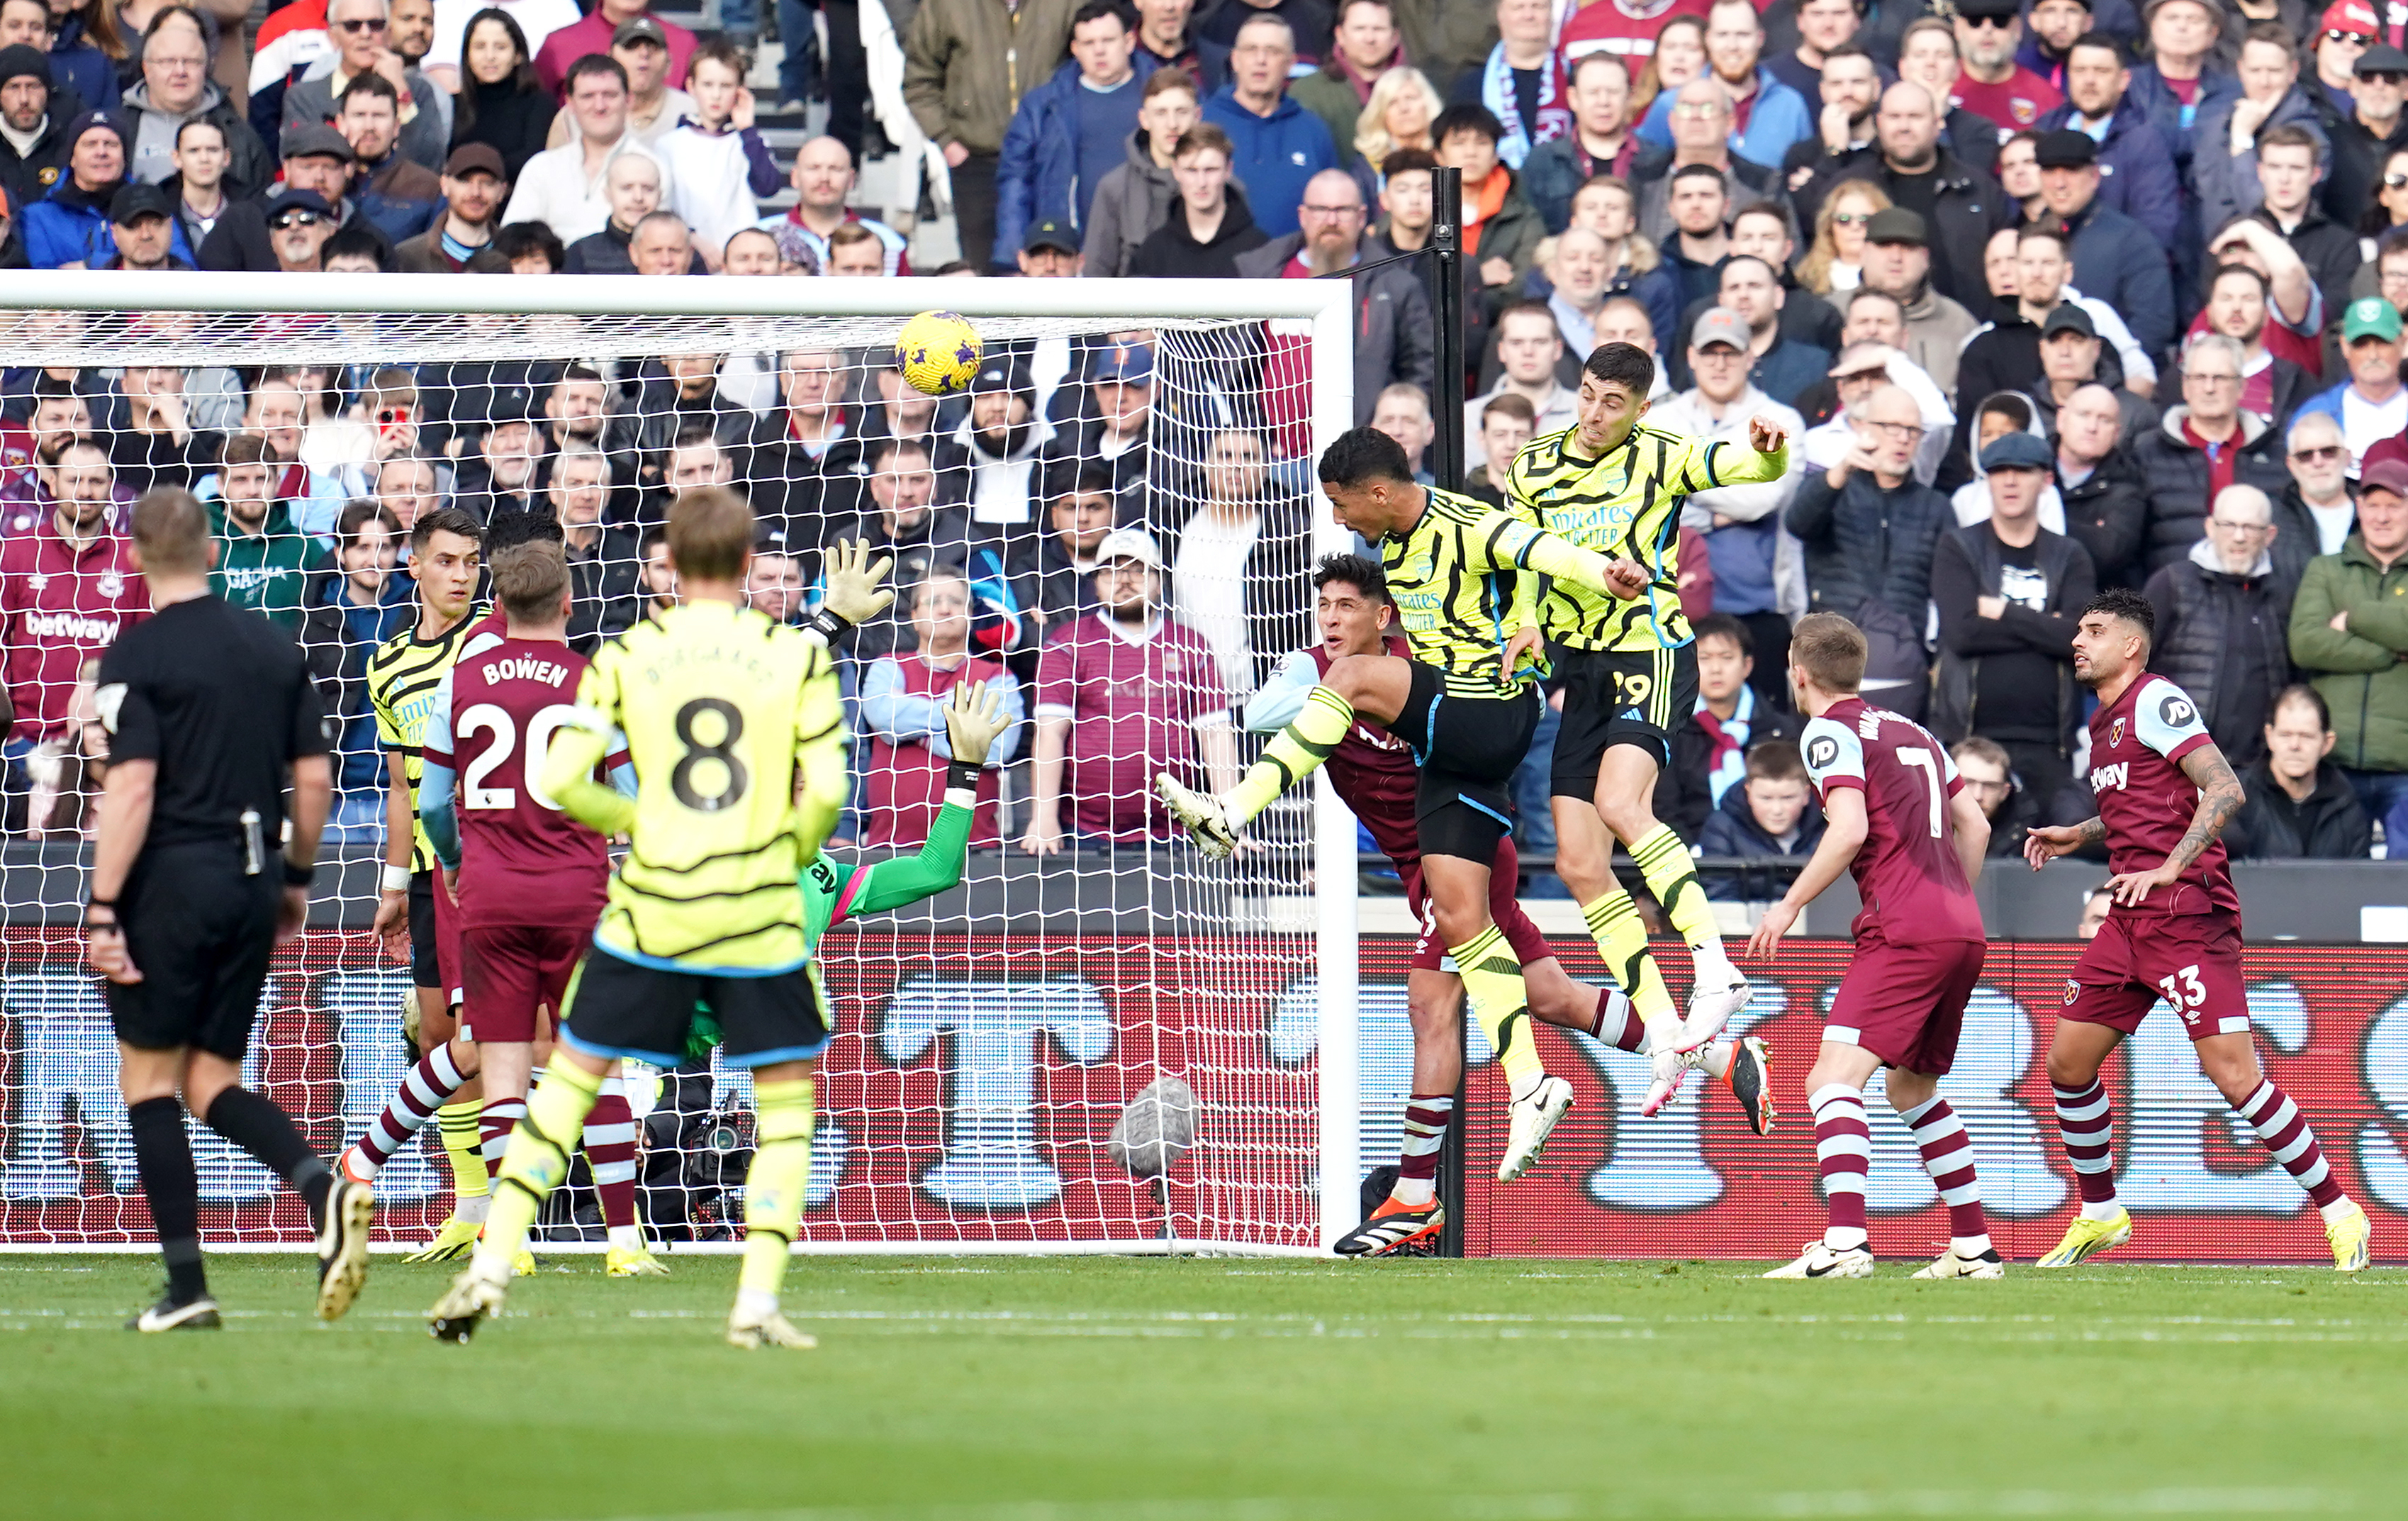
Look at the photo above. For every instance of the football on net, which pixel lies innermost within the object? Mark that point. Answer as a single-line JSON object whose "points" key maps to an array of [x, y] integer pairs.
{"points": [[938, 353]]}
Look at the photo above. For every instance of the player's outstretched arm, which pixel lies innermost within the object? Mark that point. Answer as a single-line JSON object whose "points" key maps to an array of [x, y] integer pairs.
{"points": [[2220, 797], [1766, 459], [1844, 827], [856, 591], [581, 744], [2045, 842]]}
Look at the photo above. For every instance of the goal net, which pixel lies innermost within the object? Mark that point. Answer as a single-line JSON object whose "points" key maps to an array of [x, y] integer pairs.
{"points": [[992, 1039]]}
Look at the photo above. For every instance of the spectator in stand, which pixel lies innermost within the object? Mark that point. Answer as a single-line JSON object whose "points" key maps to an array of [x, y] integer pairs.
{"points": [[990, 463], [558, 56], [1529, 349], [1849, 86], [2223, 623], [500, 477], [1757, 578], [318, 163], [1276, 144], [658, 578], [1867, 526], [1771, 814], [1053, 574], [2073, 355], [143, 226], [26, 23], [1701, 122], [1577, 276], [2300, 806], [1134, 198], [1989, 33], [357, 28], [2143, 184], [276, 416], [2105, 495], [823, 180], [1520, 83], [1928, 55], [774, 585], [1865, 362], [2350, 30], [562, 187], [501, 105], [1988, 773], [1600, 141], [2348, 636], [263, 561], [2372, 406], [1767, 117], [409, 488], [966, 63], [1068, 132], [1632, 29], [1397, 119], [2052, 31], [715, 156], [2291, 158], [158, 445], [1709, 748], [2314, 514], [1393, 328], [2009, 594], [2019, 175], [1960, 205], [1993, 418], [1163, 34], [397, 195], [1363, 48], [653, 108], [1238, 552], [1210, 226], [36, 139], [1507, 422], [355, 604], [1934, 329], [2234, 128], [2190, 68], [474, 189], [1124, 694], [632, 182], [1115, 426], [805, 454], [1779, 364], [2270, 387], [2115, 258], [1835, 265], [2365, 133], [69, 228], [603, 561], [1824, 26], [902, 714], [1312, 23], [68, 588], [902, 520], [1402, 412], [197, 190], [2005, 355], [2204, 444], [175, 88]]}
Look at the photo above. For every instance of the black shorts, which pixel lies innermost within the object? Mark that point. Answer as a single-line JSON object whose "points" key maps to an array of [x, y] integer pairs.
{"points": [[1468, 748], [617, 1008], [201, 933], [425, 967], [1619, 697]]}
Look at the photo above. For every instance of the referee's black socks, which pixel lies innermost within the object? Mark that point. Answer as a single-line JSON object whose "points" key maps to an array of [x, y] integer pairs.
{"points": [[258, 1127], [162, 1153]]}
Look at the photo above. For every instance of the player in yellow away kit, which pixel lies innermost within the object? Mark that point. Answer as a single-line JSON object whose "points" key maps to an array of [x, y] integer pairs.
{"points": [[733, 725], [1628, 665]]}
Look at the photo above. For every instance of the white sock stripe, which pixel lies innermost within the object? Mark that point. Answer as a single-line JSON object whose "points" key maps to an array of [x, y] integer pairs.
{"points": [[379, 1137], [609, 1135], [1834, 1093], [1916, 1116], [610, 1172], [1938, 1130], [445, 1069], [2096, 1110], [422, 1096], [2304, 1144], [2315, 1176], [1843, 1182], [2266, 1093], [612, 1087], [1965, 1194], [2092, 1164], [2275, 1124], [1843, 1144]]}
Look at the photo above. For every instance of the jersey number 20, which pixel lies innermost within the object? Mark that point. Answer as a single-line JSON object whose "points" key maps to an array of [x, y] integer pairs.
{"points": [[497, 721]]}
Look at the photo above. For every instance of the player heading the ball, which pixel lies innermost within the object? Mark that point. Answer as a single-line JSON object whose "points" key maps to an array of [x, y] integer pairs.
{"points": [[1463, 698]]}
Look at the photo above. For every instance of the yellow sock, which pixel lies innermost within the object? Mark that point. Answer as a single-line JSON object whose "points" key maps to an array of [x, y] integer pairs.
{"points": [[1673, 876], [463, 1148], [1622, 941], [536, 1163], [1492, 981], [1294, 753], [773, 1186]]}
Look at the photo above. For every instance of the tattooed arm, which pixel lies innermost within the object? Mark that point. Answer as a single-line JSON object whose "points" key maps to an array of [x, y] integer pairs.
{"points": [[2042, 843], [2219, 798]]}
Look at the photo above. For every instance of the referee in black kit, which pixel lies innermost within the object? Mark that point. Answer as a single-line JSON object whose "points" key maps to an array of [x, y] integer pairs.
{"points": [[206, 707]]}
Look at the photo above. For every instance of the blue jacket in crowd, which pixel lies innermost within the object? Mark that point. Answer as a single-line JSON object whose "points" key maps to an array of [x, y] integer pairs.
{"points": [[1779, 118], [2136, 169], [1276, 155], [70, 224], [2115, 260], [1061, 142]]}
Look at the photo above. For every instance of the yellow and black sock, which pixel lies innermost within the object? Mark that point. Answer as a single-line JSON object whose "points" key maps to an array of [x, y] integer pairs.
{"points": [[774, 1185], [1621, 938], [1294, 753], [459, 1124], [1492, 981], [536, 1164], [1673, 876]]}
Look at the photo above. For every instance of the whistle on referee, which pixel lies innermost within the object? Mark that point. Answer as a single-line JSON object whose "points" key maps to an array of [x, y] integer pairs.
{"points": [[254, 850]]}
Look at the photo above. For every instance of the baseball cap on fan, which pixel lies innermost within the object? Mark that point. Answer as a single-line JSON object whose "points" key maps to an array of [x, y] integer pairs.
{"points": [[2370, 317], [1129, 544], [2355, 17]]}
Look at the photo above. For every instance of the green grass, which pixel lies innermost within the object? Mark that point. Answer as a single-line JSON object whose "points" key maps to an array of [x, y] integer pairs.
{"points": [[1215, 1390]]}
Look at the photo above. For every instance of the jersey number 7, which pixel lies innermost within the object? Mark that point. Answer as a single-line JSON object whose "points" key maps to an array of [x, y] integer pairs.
{"points": [[1921, 759]]}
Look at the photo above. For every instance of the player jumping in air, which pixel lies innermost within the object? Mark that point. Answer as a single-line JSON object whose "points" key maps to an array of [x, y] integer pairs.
{"points": [[2165, 793], [1629, 670], [1374, 773], [1902, 823], [1459, 573]]}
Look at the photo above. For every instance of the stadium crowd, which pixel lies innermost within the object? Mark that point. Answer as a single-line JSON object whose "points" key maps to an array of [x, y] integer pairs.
{"points": [[2052, 296]]}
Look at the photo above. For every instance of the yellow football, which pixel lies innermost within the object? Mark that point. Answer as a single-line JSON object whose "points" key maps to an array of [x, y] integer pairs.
{"points": [[938, 353]]}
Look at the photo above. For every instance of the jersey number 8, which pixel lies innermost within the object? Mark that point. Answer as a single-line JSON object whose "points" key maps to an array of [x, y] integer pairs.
{"points": [[735, 777], [540, 729]]}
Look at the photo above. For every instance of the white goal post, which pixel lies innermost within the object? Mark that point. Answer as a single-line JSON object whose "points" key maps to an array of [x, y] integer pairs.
{"points": [[988, 1038]]}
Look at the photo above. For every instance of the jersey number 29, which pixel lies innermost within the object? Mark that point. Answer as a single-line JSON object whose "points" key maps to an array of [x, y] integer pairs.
{"points": [[497, 721]]}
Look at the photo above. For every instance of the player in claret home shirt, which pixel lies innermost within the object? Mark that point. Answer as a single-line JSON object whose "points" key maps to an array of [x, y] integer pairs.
{"points": [[1376, 777], [2165, 791], [1906, 828]]}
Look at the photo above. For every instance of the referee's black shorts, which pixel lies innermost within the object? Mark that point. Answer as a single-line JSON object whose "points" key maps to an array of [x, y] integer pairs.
{"points": [[201, 932], [618, 1008], [1468, 748], [1619, 697]]}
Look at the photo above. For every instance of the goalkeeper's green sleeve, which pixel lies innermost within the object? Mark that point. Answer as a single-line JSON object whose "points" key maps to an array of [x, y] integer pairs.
{"points": [[890, 884]]}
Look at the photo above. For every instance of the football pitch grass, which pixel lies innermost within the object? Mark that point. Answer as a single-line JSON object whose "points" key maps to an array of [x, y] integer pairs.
{"points": [[1216, 1389]]}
